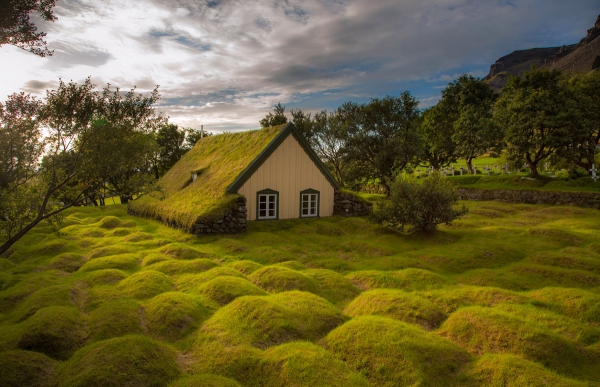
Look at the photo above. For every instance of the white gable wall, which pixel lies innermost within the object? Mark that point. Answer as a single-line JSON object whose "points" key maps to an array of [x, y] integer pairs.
{"points": [[288, 170]]}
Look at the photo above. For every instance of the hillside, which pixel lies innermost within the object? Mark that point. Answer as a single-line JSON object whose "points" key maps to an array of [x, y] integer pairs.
{"points": [[581, 57], [507, 296]]}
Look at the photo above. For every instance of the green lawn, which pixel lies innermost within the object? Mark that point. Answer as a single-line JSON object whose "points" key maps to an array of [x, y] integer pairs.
{"points": [[507, 296]]}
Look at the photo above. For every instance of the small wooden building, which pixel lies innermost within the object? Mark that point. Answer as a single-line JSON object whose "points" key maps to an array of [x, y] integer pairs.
{"points": [[286, 180]]}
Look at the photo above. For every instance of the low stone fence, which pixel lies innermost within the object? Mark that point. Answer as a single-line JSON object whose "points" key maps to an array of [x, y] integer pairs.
{"points": [[346, 204], [232, 221], [559, 198]]}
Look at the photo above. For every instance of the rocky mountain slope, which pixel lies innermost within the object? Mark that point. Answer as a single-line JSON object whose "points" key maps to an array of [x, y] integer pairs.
{"points": [[581, 57]]}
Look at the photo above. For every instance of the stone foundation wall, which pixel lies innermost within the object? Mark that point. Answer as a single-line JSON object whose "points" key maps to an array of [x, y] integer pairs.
{"points": [[559, 198], [349, 205], [232, 221]]}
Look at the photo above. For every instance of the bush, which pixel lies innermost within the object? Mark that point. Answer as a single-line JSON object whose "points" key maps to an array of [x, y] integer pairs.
{"points": [[421, 204]]}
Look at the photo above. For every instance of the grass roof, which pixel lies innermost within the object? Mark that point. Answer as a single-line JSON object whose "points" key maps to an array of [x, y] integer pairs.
{"points": [[217, 160]]}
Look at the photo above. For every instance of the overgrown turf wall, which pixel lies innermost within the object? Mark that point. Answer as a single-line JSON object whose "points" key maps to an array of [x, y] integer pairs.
{"points": [[580, 199], [232, 221], [348, 204]]}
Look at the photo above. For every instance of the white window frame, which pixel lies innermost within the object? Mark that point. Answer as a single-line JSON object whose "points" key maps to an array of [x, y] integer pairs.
{"points": [[267, 208], [311, 200]]}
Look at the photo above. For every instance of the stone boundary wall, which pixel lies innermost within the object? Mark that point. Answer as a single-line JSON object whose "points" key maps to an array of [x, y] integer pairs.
{"points": [[559, 198], [346, 204], [232, 221]]}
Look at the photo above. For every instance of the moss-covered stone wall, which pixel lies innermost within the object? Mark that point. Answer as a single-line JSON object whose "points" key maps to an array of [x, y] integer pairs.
{"points": [[580, 199], [347, 204], [232, 221]]}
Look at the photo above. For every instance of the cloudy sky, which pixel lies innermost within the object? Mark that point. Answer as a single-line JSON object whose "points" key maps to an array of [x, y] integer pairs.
{"points": [[225, 63]]}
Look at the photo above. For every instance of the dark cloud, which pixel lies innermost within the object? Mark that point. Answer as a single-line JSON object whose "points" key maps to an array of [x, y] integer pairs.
{"points": [[37, 87], [68, 55]]}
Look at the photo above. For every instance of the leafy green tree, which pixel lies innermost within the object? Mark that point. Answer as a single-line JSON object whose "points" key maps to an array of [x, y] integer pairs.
{"points": [[278, 118], [585, 150], [93, 141], [437, 130], [468, 104], [170, 141], [419, 203], [385, 138], [540, 117], [304, 123], [17, 29], [192, 136]]}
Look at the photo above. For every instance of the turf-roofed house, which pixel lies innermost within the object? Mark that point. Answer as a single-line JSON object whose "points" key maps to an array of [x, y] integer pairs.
{"points": [[228, 179]]}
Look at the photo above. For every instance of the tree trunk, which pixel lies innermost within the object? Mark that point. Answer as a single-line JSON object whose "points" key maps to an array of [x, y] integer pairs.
{"points": [[470, 165], [533, 169], [19, 235]]}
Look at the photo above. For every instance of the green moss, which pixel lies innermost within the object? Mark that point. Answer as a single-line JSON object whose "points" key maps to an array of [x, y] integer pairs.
{"points": [[575, 303], [225, 289], [56, 331], [146, 284], [408, 279], [246, 267], [181, 251], [264, 321], [397, 304], [110, 222], [26, 368], [174, 267], [115, 318], [191, 282], [133, 361], [486, 330], [450, 299], [139, 236], [511, 370], [392, 353], [333, 286], [238, 362], [280, 279], [102, 277], [121, 262], [294, 265], [68, 262], [305, 364], [57, 295], [221, 158], [205, 380], [5, 264], [174, 315]]}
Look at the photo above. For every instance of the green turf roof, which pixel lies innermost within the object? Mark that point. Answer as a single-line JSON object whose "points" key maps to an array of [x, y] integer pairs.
{"points": [[219, 160]]}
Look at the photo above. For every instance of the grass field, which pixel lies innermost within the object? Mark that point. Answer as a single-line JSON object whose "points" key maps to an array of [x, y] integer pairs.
{"points": [[507, 296]]}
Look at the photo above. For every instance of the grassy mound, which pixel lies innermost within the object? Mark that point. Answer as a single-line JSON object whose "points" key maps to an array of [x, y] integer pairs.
{"points": [[174, 315], [238, 362], [139, 236], [56, 331], [181, 251], [187, 200], [205, 380], [450, 299], [173, 267], [408, 279], [57, 295], [68, 262], [305, 364], [110, 222], [280, 279], [134, 361], [114, 319], [225, 289], [575, 303], [102, 277], [25, 368], [264, 321], [146, 284], [397, 304], [486, 330], [246, 267], [191, 282], [125, 262], [333, 286], [511, 370], [392, 353]]}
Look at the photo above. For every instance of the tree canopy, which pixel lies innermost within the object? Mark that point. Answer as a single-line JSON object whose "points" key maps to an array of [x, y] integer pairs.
{"points": [[17, 29], [278, 118]]}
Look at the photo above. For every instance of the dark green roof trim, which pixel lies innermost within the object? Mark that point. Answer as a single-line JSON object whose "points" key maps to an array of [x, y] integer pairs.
{"points": [[288, 129]]}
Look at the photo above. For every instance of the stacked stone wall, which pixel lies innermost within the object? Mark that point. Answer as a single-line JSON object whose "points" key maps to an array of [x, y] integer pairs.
{"points": [[346, 204], [559, 198], [232, 221]]}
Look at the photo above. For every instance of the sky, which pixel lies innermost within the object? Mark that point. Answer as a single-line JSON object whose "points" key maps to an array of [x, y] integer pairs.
{"points": [[224, 64]]}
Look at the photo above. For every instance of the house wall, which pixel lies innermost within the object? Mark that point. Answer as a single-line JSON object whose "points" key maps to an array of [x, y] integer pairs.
{"points": [[288, 170]]}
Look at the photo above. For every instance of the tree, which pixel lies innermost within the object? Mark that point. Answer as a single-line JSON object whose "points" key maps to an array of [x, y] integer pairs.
{"points": [[584, 150], [93, 140], [539, 115], [436, 131], [385, 139], [278, 118], [170, 140], [467, 103], [192, 136], [304, 123], [17, 29], [419, 203]]}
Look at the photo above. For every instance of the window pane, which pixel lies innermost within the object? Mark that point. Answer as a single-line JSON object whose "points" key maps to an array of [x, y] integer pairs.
{"points": [[271, 213], [262, 213], [272, 198], [262, 198], [262, 206]]}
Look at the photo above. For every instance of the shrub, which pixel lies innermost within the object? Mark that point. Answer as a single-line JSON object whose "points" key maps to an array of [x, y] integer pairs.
{"points": [[422, 204]]}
